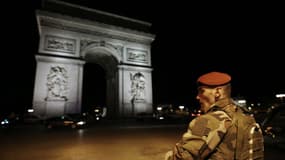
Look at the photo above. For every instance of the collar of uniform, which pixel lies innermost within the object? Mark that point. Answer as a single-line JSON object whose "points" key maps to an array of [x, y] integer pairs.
{"points": [[220, 105], [224, 102], [227, 105]]}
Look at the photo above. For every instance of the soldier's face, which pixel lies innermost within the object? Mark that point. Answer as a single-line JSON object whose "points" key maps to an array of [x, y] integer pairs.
{"points": [[206, 98]]}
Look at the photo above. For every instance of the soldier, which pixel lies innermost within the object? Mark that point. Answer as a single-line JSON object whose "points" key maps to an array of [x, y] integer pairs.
{"points": [[211, 135]]}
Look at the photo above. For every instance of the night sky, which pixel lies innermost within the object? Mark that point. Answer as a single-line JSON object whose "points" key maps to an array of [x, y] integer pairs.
{"points": [[245, 40]]}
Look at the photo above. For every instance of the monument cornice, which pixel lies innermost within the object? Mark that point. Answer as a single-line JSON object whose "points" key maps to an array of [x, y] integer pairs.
{"points": [[63, 22], [134, 68]]}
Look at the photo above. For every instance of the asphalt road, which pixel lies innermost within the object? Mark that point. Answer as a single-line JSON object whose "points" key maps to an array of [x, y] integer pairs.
{"points": [[97, 142]]}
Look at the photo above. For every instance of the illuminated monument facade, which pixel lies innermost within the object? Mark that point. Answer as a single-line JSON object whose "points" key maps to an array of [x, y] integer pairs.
{"points": [[70, 37]]}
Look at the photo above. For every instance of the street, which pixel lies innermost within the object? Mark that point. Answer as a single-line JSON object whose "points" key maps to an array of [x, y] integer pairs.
{"points": [[96, 142]]}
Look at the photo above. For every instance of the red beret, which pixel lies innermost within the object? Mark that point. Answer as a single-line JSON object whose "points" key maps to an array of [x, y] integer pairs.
{"points": [[214, 79]]}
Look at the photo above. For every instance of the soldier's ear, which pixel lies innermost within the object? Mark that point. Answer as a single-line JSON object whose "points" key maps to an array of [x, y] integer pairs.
{"points": [[217, 95], [217, 92]]}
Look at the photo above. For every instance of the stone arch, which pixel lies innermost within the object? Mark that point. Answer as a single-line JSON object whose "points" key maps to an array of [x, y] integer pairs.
{"points": [[119, 44], [105, 57], [101, 48]]}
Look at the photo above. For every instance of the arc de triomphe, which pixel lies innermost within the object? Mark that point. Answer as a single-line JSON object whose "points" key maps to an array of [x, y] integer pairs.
{"points": [[71, 36]]}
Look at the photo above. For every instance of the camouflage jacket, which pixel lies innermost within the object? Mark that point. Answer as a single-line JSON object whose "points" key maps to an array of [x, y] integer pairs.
{"points": [[210, 136]]}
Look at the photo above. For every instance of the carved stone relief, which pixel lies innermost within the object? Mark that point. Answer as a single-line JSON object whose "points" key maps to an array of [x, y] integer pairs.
{"points": [[137, 55], [137, 87], [85, 43], [54, 43], [57, 83]]}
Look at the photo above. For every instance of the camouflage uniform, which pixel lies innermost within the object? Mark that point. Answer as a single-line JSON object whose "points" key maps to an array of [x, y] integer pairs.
{"points": [[210, 136]]}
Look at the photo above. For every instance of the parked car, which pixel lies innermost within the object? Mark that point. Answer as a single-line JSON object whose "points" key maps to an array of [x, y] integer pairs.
{"points": [[65, 121], [274, 126]]}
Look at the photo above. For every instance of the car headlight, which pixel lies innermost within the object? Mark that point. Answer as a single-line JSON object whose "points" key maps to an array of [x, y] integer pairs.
{"points": [[5, 121], [80, 123]]}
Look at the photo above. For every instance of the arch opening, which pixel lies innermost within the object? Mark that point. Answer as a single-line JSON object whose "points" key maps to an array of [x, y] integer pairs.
{"points": [[94, 87], [100, 82]]}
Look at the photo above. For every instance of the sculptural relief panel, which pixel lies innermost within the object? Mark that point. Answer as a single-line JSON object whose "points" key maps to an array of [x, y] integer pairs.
{"points": [[136, 55], [138, 85], [57, 80], [60, 44]]}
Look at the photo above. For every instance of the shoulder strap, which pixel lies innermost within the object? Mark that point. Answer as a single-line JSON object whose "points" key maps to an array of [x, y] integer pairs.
{"points": [[239, 136]]}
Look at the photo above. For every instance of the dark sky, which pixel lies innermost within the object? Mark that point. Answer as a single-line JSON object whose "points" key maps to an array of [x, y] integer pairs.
{"points": [[245, 40]]}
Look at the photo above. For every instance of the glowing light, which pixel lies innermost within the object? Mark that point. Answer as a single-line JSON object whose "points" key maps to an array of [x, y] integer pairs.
{"points": [[280, 95], [159, 108], [161, 118], [181, 107], [242, 101], [81, 123]]}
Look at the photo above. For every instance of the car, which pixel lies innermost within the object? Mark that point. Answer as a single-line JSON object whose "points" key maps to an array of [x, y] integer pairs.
{"points": [[65, 121], [4, 122], [196, 113], [31, 119], [9, 120], [274, 126]]}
